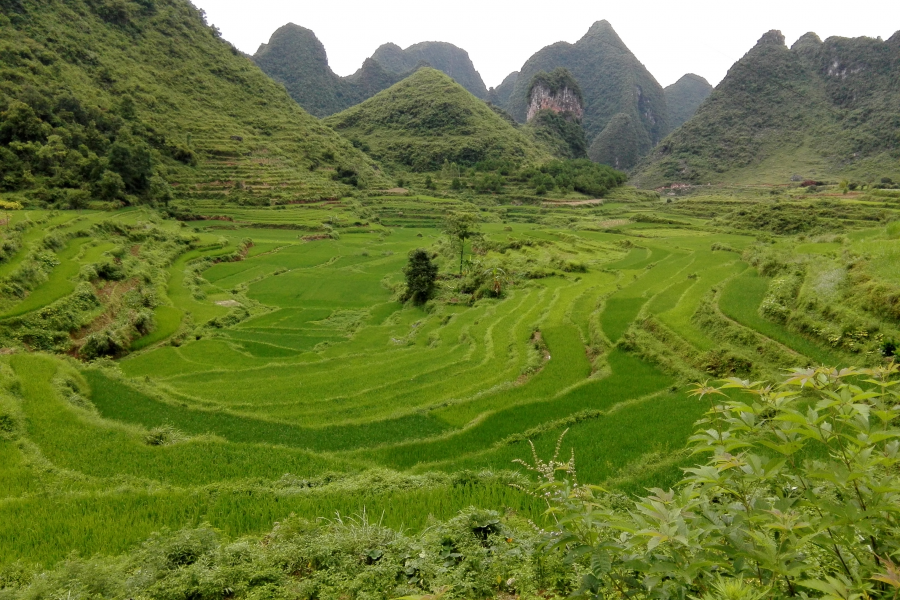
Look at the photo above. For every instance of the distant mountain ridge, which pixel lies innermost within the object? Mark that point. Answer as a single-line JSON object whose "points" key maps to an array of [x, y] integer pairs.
{"points": [[296, 58], [684, 97], [500, 94], [817, 110], [451, 60], [625, 111]]}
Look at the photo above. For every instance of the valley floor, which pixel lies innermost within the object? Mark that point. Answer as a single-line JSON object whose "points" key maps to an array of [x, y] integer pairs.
{"points": [[289, 380]]}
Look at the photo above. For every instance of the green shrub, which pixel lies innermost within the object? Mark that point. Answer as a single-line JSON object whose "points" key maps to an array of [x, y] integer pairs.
{"points": [[797, 498]]}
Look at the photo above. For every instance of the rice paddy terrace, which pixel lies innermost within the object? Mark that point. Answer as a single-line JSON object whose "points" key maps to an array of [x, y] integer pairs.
{"points": [[289, 379]]}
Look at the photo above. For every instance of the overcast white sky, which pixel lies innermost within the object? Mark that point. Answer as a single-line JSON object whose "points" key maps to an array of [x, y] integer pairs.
{"points": [[670, 37]]}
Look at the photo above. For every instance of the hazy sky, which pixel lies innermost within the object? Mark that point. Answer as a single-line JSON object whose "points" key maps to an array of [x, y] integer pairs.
{"points": [[671, 38]]}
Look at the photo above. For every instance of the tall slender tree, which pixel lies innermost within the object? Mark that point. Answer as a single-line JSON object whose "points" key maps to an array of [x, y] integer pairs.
{"points": [[459, 227]]}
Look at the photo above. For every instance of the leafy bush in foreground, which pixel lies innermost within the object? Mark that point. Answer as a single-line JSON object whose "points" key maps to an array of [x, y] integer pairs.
{"points": [[800, 498]]}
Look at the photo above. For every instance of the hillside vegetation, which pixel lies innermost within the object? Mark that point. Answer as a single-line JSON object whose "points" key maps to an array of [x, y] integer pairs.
{"points": [[426, 120], [500, 94], [618, 93], [684, 97], [819, 110], [111, 101]]}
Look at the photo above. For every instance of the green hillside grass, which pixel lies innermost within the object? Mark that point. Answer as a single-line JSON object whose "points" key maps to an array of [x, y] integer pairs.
{"points": [[427, 120], [149, 90]]}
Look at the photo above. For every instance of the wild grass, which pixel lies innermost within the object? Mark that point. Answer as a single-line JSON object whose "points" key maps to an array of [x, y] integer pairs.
{"points": [[111, 523]]}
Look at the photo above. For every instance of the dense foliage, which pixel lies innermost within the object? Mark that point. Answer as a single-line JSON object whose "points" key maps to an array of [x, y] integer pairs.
{"points": [[564, 136], [799, 497], [818, 108], [113, 100], [613, 82], [420, 275], [583, 176]]}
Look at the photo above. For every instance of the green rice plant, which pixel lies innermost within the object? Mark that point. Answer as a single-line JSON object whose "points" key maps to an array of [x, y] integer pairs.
{"points": [[606, 441], [117, 401], [668, 299], [58, 285], [109, 524], [630, 378], [80, 442], [167, 320], [617, 315], [741, 299], [680, 318]]}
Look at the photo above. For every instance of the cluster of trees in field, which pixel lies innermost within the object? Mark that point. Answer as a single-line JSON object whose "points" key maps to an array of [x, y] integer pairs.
{"points": [[562, 176]]}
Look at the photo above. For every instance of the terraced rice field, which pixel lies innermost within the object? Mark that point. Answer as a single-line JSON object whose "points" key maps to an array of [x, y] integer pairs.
{"points": [[328, 373]]}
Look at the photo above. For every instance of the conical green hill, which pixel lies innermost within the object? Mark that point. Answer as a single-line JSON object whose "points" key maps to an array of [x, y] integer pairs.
{"points": [[818, 110], [428, 119], [147, 89]]}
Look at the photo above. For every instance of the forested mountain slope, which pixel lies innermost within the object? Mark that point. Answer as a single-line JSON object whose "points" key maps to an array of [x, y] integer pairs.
{"points": [[684, 97], [625, 111], [112, 99], [296, 58], [500, 94], [817, 110]]}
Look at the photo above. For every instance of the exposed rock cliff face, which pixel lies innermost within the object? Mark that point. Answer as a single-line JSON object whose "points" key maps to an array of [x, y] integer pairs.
{"points": [[560, 101], [556, 91]]}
